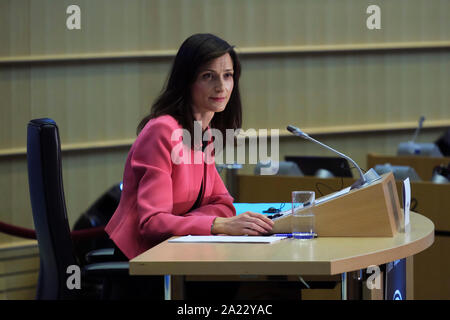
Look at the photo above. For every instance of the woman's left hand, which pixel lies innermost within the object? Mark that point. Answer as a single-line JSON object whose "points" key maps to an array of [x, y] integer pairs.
{"points": [[247, 223]]}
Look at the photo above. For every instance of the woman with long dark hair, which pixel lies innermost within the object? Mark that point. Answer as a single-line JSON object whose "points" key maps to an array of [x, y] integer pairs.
{"points": [[163, 196]]}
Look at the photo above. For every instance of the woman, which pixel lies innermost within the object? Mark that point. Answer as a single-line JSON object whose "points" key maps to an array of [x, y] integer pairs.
{"points": [[162, 197]]}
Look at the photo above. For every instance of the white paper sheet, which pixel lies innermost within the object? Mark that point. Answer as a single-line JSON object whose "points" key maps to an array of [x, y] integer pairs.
{"points": [[406, 200], [333, 195], [228, 239]]}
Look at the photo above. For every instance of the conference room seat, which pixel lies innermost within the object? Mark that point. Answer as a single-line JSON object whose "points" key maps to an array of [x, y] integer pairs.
{"points": [[56, 250]]}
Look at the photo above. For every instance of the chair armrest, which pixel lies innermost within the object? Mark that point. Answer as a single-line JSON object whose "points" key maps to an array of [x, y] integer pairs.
{"points": [[107, 269], [100, 255]]}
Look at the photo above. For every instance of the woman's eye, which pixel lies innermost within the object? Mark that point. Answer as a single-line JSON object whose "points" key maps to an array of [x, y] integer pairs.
{"points": [[228, 75], [206, 76]]}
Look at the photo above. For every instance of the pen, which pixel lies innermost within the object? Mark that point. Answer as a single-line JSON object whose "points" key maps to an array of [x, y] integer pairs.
{"points": [[289, 235]]}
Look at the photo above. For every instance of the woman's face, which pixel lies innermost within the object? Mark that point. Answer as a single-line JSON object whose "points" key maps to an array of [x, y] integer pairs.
{"points": [[213, 86]]}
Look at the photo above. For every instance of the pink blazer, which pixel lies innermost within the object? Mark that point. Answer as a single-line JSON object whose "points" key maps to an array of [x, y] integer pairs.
{"points": [[158, 193]]}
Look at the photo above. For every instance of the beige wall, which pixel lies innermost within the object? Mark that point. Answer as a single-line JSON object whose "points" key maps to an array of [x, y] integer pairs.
{"points": [[309, 63]]}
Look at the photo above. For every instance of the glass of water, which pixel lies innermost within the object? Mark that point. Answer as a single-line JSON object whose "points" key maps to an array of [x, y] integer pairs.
{"points": [[303, 215]]}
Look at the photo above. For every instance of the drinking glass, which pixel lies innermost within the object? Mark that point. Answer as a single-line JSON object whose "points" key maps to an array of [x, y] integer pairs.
{"points": [[303, 215]]}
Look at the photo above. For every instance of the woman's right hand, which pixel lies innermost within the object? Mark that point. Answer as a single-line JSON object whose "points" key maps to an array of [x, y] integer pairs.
{"points": [[248, 223]]}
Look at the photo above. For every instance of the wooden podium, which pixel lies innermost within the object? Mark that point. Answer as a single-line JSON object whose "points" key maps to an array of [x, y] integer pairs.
{"points": [[371, 211]]}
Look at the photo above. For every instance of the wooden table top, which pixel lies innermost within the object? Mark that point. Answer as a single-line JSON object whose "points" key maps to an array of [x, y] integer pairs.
{"points": [[321, 256]]}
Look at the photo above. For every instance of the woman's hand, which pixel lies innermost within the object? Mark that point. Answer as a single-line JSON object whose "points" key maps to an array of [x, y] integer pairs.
{"points": [[248, 223]]}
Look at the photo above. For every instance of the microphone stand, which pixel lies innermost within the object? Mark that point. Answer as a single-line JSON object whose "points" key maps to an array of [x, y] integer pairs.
{"points": [[370, 176]]}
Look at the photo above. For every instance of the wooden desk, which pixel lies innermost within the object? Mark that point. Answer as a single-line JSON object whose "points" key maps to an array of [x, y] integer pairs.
{"points": [[423, 165], [321, 256], [431, 202]]}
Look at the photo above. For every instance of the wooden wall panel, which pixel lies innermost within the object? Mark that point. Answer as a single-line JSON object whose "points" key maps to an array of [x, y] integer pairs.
{"points": [[19, 269], [31, 27], [315, 91]]}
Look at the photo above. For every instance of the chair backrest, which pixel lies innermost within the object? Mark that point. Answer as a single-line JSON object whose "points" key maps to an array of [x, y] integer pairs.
{"points": [[49, 209], [284, 168]]}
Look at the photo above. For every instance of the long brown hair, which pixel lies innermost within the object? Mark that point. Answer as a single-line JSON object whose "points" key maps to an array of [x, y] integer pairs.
{"points": [[175, 99]]}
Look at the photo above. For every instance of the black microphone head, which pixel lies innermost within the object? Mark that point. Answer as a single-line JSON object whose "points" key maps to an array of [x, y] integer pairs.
{"points": [[297, 131], [292, 129]]}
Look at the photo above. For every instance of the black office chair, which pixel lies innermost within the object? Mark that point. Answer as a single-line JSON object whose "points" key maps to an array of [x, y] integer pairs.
{"points": [[97, 215], [56, 249]]}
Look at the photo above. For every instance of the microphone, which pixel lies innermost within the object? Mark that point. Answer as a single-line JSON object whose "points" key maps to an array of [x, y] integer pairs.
{"points": [[362, 179], [416, 133], [412, 147]]}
